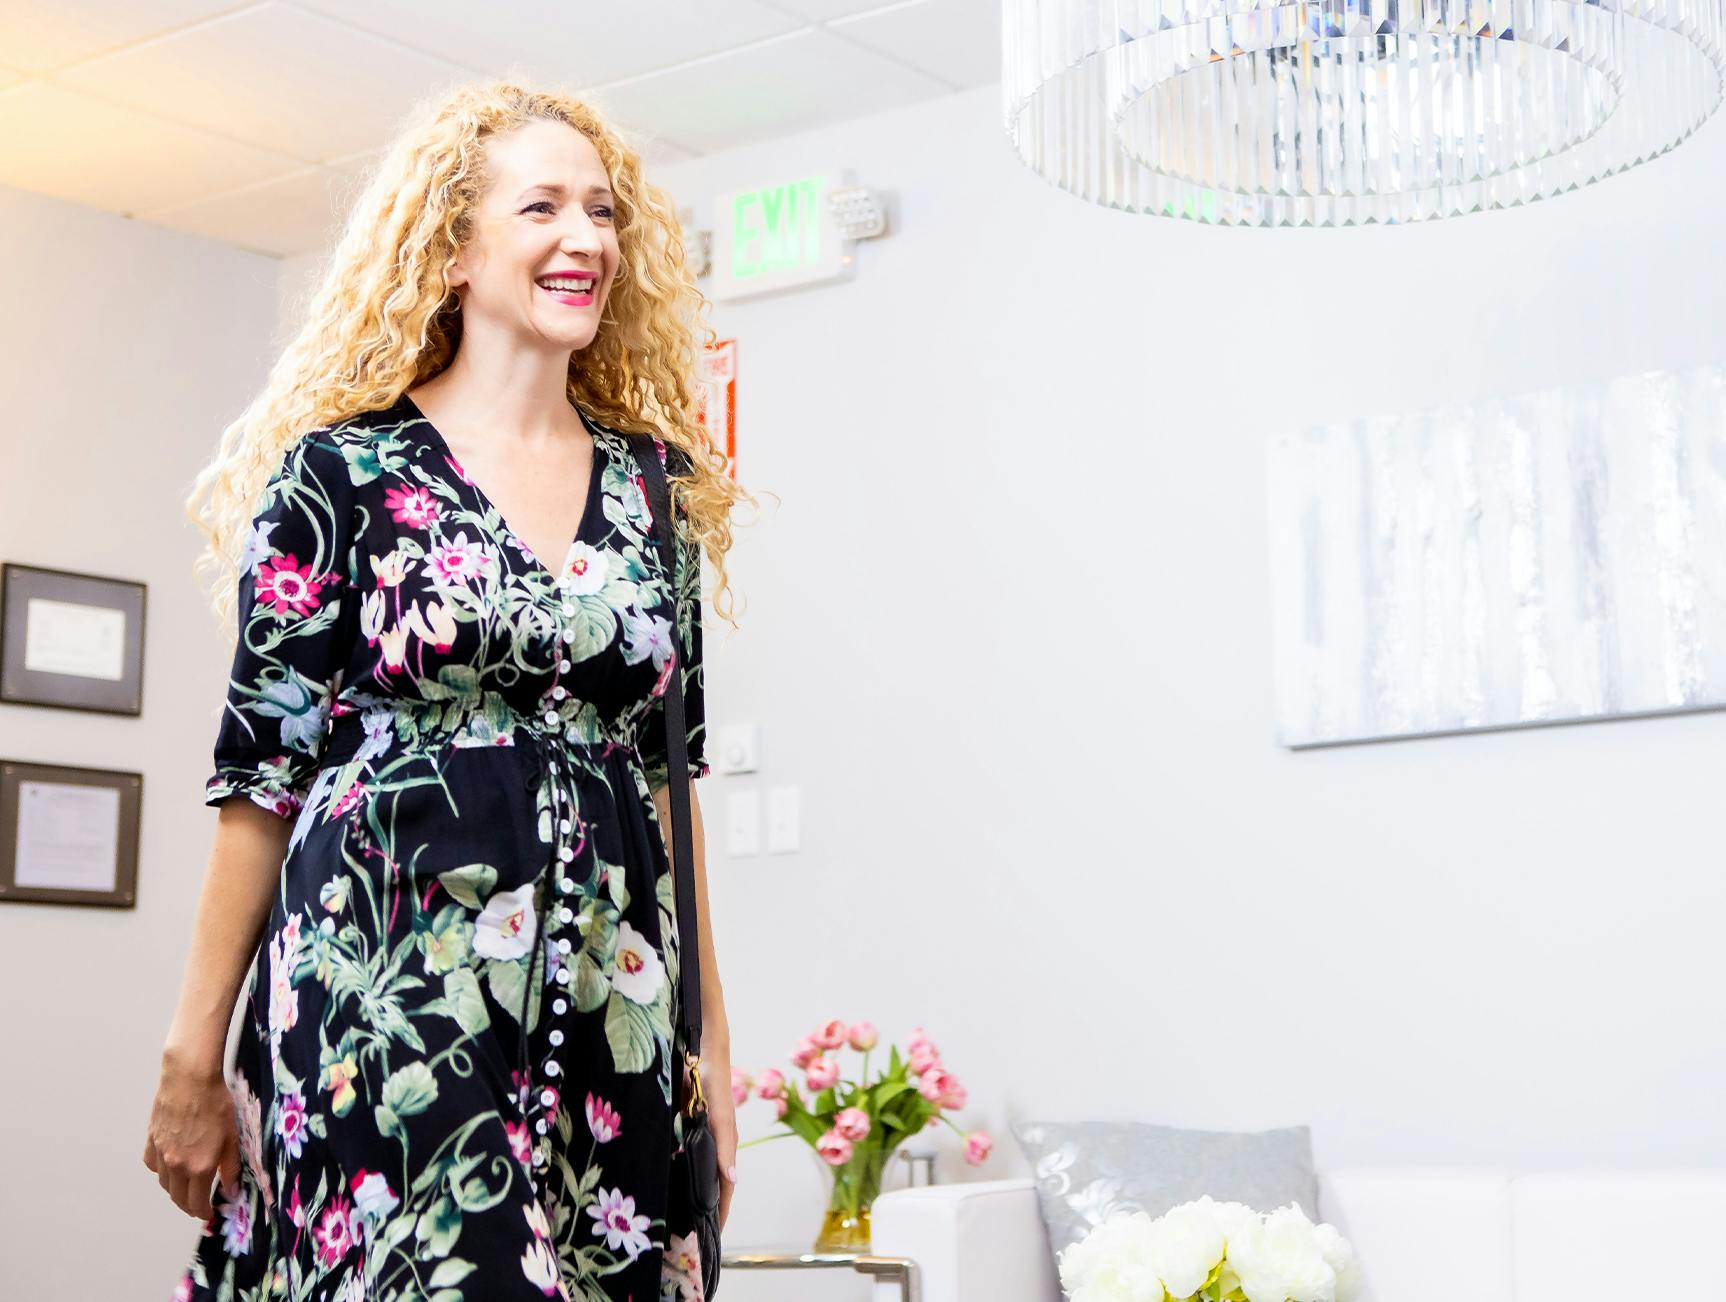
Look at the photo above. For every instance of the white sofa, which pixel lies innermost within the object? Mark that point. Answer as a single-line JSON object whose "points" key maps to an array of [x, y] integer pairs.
{"points": [[1423, 1235]]}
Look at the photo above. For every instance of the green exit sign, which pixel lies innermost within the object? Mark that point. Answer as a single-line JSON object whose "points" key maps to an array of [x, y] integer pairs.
{"points": [[777, 236]]}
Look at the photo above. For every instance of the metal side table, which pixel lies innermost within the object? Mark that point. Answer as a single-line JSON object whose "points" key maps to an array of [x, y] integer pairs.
{"points": [[901, 1270]]}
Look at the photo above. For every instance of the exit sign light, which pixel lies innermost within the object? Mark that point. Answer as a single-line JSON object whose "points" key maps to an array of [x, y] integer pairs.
{"points": [[778, 236]]}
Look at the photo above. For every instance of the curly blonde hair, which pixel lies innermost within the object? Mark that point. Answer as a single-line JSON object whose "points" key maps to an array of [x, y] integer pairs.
{"points": [[383, 319]]}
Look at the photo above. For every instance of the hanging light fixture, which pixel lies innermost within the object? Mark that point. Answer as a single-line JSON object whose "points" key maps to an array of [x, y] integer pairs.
{"points": [[1340, 112]]}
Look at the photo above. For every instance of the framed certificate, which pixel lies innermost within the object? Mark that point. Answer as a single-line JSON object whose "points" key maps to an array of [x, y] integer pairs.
{"points": [[69, 835], [71, 640]]}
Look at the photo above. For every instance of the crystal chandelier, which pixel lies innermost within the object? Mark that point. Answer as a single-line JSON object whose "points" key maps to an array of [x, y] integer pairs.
{"points": [[1255, 113]]}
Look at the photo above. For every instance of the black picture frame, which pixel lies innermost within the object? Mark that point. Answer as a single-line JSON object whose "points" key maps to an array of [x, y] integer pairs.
{"points": [[27, 798], [107, 612]]}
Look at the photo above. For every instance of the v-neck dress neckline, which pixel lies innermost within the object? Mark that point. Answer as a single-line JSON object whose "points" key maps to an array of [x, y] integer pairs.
{"points": [[534, 560]]}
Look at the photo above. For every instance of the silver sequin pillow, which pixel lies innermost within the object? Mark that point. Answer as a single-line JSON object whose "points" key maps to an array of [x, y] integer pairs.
{"points": [[1087, 1169]]}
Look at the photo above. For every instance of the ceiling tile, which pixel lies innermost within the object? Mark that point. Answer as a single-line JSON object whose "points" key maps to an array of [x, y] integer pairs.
{"points": [[297, 213], [59, 142], [958, 41], [274, 76], [41, 36], [556, 43], [822, 11], [802, 81]]}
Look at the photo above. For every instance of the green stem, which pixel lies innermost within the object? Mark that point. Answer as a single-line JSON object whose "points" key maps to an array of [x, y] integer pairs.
{"points": [[783, 1134]]}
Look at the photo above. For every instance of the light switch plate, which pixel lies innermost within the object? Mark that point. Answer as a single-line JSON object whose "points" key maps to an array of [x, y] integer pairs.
{"points": [[784, 830], [742, 823]]}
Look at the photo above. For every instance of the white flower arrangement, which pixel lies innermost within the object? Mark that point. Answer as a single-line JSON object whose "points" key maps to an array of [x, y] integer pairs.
{"points": [[1206, 1251]]}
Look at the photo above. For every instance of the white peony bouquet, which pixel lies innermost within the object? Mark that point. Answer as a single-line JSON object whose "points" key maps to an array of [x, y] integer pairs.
{"points": [[1211, 1252]]}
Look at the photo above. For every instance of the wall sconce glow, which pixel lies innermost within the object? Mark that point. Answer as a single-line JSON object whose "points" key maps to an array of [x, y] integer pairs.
{"points": [[1336, 112]]}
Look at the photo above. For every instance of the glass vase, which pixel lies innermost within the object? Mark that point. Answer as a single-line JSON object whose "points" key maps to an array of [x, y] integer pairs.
{"points": [[856, 1185]]}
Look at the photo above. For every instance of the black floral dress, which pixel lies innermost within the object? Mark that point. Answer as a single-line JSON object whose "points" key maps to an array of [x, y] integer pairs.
{"points": [[467, 744]]}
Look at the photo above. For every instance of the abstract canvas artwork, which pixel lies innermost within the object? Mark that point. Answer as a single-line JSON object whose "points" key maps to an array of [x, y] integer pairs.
{"points": [[1544, 558]]}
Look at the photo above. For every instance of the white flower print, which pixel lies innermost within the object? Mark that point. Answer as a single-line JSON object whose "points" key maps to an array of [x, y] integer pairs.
{"points": [[584, 569], [505, 927], [682, 1267], [539, 1264], [644, 636], [614, 1217], [637, 972]]}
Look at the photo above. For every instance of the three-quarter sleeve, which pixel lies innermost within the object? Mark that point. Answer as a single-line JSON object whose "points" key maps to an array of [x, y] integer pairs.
{"points": [[295, 570], [655, 760]]}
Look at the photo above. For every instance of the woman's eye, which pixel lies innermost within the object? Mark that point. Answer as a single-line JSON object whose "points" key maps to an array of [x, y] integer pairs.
{"points": [[604, 211], [542, 203]]}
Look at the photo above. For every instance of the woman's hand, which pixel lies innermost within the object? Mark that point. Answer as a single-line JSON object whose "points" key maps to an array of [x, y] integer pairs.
{"points": [[722, 1120], [193, 1134]]}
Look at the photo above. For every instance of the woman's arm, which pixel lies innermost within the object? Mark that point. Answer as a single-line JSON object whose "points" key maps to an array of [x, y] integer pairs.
{"points": [[715, 1027], [192, 1133]]}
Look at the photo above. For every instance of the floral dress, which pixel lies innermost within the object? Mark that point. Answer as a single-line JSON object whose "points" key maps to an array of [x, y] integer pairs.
{"points": [[454, 1075]]}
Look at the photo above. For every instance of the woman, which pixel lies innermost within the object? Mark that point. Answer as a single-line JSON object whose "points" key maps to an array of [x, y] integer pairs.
{"points": [[442, 766]]}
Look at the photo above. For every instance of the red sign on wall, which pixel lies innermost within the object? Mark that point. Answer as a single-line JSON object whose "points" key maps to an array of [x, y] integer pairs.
{"points": [[716, 397]]}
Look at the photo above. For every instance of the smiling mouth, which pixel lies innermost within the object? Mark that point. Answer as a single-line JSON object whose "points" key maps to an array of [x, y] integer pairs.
{"points": [[576, 293]]}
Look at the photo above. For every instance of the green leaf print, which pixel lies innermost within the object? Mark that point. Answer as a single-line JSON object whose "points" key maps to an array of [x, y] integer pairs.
{"points": [[629, 1029], [463, 1000], [389, 1125], [472, 883], [591, 987], [450, 1273], [508, 978], [439, 1228], [411, 1089], [595, 624]]}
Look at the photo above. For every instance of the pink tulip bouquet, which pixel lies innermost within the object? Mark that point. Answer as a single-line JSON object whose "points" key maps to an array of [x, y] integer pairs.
{"points": [[855, 1124]]}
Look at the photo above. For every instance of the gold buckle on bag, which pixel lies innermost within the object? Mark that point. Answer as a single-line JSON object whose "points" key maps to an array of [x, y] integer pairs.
{"points": [[696, 1097]]}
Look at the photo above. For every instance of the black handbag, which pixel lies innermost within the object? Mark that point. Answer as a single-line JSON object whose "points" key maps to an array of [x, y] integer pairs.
{"points": [[694, 1194]]}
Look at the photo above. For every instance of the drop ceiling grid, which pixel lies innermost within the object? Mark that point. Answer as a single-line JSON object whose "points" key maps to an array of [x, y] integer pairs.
{"points": [[250, 123]]}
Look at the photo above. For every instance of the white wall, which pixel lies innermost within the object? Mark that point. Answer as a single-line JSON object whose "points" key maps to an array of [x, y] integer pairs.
{"points": [[1008, 631], [124, 350], [1010, 634]]}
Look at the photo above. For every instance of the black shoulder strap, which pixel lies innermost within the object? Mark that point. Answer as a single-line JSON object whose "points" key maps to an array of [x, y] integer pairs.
{"points": [[677, 752]]}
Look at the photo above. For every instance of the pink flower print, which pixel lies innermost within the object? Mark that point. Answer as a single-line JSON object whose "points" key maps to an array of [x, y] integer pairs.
{"points": [[457, 467], [682, 1267], [616, 1221], [283, 584], [520, 1142], [296, 1208], [183, 1290], [291, 1122], [550, 1108], [373, 1195], [834, 1148], [415, 507], [456, 561], [853, 1123], [351, 797], [249, 1111], [291, 932], [823, 1074], [603, 1120], [831, 1035], [334, 1234], [236, 1227], [770, 1084], [863, 1036], [977, 1146]]}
